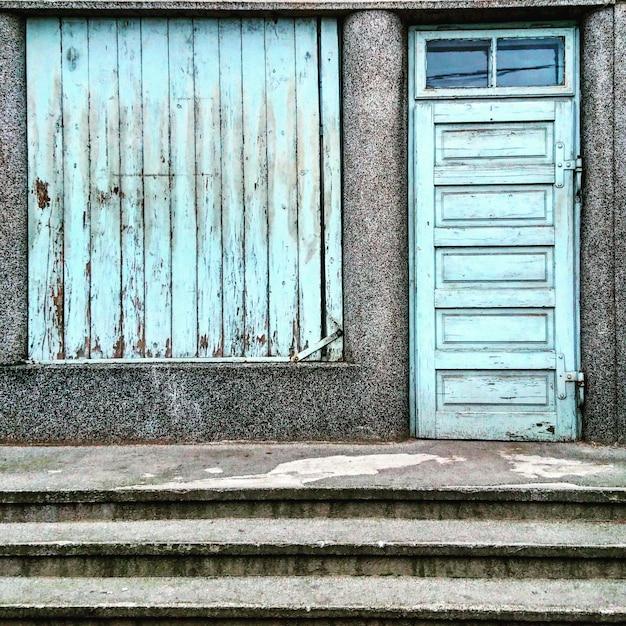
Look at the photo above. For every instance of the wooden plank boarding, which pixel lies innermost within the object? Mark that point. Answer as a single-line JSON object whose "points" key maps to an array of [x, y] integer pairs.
{"points": [[282, 187], [76, 185], [192, 209], [157, 224], [308, 183], [183, 189], [104, 197], [45, 189], [233, 284], [331, 181], [254, 100], [208, 147], [131, 187]]}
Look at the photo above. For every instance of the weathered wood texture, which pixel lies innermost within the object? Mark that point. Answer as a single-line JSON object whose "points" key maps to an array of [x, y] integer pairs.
{"points": [[183, 201], [494, 326]]}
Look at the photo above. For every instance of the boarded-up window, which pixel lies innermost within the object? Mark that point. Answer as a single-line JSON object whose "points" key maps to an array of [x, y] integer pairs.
{"points": [[184, 188]]}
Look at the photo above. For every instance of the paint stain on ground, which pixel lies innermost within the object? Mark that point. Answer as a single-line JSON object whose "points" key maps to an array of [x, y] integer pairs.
{"points": [[535, 466], [298, 473]]}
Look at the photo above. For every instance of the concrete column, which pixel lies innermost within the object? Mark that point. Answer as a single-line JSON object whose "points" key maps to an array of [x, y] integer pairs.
{"points": [[619, 82], [13, 172], [598, 310], [375, 205]]}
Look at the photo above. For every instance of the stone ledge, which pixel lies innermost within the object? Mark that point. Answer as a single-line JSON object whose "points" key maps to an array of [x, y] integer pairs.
{"points": [[576, 601], [309, 6]]}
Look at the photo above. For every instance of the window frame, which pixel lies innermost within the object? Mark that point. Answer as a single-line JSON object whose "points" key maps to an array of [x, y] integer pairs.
{"points": [[422, 36]]}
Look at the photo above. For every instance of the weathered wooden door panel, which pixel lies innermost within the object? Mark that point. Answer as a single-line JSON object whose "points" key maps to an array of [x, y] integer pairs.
{"points": [[494, 302], [183, 200]]}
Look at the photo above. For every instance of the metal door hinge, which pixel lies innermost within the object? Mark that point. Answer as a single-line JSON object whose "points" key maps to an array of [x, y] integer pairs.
{"points": [[563, 377], [562, 165]]}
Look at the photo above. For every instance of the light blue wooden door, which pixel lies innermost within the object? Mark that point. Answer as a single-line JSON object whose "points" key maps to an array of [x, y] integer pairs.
{"points": [[494, 301]]}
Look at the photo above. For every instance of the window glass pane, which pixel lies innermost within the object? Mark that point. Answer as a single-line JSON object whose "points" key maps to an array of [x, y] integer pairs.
{"points": [[457, 63], [530, 62]]}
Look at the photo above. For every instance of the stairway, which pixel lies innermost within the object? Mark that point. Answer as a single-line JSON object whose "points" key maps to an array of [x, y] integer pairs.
{"points": [[221, 551]]}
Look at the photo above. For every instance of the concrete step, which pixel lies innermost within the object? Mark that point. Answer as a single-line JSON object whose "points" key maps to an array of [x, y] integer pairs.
{"points": [[414, 479], [312, 600], [323, 547], [539, 502]]}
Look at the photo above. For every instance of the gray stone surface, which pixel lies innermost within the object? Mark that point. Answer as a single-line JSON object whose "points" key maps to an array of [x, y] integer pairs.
{"points": [[319, 546], [13, 170], [367, 400], [573, 470], [375, 210], [192, 402], [535, 600], [413, 480], [597, 286], [202, 6], [620, 215], [189, 402], [318, 536]]}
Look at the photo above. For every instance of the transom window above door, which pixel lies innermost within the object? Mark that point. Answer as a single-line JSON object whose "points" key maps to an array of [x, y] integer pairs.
{"points": [[496, 62]]}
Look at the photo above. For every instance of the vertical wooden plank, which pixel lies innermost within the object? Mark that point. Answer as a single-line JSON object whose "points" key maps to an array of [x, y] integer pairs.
{"points": [[232, 186], [425, 271], [412, 249], [131, 186], [331, 177], [564, 263], [255, 188], [183, 198], [106, 339], [208, 188], [156, 152], [45, 186], [282, 186], [309, 184], [76, 219]]}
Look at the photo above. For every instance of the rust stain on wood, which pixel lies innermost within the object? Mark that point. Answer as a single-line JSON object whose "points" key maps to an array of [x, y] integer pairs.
{"points": [[41, 189], [97, 348], [140, 346], [57, 303], [119, 347]]}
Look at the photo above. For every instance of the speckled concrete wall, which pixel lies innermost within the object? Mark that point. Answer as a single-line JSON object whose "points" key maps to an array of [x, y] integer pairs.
{"points": [[363, 399], [13, 279], [375, 244], [598, 330], [185, 403], [619, 141], [366, 398]]}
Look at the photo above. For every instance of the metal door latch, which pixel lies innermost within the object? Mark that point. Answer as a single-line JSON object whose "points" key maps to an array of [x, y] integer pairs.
{"points": [[563, 377], [296, 358]]}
